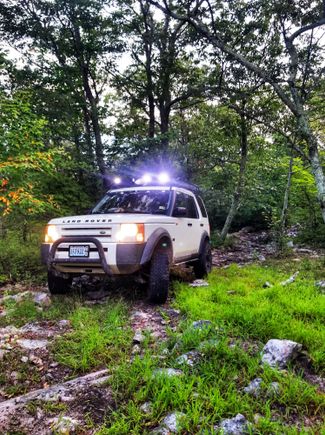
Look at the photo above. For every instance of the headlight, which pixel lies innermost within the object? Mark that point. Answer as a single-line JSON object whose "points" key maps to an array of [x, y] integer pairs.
{"points": [[51, 234], [131, 233]]}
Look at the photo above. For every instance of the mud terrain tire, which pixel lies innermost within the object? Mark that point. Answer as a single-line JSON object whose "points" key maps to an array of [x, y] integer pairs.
{"points": [[202, 267], [57, 284], [159, 278]]}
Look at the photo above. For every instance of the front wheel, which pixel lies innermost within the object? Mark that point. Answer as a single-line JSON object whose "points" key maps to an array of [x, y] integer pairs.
{"points": [[57, 284], [203, 265], [159, 278]]}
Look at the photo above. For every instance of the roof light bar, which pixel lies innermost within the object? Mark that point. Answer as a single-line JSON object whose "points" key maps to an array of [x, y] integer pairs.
{"points": [[117, 180], [163, 178]]}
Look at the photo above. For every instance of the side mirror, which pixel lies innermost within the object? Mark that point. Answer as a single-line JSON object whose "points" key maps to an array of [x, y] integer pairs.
{"points": [[180, 212]]}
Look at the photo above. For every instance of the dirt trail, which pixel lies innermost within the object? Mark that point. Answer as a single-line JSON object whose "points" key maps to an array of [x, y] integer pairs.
{"points": [[41, 396]]}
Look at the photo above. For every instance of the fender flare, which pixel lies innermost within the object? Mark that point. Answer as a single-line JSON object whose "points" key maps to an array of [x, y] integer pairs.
{"points": [[205, 236], [152, 244]]}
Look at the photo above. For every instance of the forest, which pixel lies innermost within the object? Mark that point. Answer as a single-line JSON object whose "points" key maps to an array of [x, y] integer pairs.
{"points": [[227, 95]]}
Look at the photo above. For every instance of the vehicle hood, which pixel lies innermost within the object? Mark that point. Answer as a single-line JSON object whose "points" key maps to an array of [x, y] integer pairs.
{"points": [[118, 218]]}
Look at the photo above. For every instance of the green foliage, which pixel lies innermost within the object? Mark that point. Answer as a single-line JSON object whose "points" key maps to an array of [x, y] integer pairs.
{"points": [[23, 158], [21, 260]]}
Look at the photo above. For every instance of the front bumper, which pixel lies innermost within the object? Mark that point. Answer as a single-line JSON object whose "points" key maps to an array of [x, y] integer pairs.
{"points": [[126, 257]]}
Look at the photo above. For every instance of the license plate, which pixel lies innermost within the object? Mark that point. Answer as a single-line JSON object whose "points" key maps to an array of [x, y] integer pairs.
{"points": [[79, 251]]}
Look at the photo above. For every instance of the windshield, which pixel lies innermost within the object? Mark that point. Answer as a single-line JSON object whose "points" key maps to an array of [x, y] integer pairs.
{"points": [[134, 201]]}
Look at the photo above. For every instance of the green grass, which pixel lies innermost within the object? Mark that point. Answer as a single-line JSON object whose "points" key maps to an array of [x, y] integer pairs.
{"points": [[100, 337], [242, 323], [295, 311]]}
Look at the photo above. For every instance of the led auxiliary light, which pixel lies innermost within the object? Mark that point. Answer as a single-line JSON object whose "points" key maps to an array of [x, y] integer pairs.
{"points": [[147, 178], [163, 177], [117, 180]]}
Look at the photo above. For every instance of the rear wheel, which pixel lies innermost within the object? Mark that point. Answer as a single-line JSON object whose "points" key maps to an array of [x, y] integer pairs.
{"points": [[159, 277], [204, 263], [57, 284]]}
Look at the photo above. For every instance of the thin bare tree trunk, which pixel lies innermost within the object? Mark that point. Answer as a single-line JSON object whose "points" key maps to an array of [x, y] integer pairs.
{"points": [[285, 207], [241, 179]]}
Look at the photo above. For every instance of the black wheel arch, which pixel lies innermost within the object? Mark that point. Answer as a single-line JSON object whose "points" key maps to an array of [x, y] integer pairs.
{"points": [[205, 237], [160, 238]]}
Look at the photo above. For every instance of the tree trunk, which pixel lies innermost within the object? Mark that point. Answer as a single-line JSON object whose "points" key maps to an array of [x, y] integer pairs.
{"points": [[284, 212], [164, 128], [314, 159], [241, 179], [93, 106]]}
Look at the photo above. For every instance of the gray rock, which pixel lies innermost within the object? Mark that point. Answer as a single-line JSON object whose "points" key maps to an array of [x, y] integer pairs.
{"points": [[290, 280], [201, 324], [190, 358], [146, 408], [172, 423], [278, 353], [167, 372], [138, 337], [254, 388], [16, 298], [42, 299], [24, 359], [64, 323], [290, 244], [320, 284], [64, 425], [28, 344], [261, 258], [234, 426], [267, 285], [199, 283]]}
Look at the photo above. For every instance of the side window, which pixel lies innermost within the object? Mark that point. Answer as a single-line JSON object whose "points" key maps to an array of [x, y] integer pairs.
{"points": [[191, 208], [186, 202], [180, 201], [202, 206]]}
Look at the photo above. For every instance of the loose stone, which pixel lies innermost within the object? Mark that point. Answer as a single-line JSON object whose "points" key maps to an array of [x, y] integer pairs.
{"points": [[199, 283], [32, 344], [278, 353], [201, 324], [190, 358], [168, 372], [233, 426]]}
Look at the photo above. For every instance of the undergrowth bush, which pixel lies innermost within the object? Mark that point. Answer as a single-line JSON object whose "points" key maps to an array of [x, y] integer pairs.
{"points": [[21, 260]]}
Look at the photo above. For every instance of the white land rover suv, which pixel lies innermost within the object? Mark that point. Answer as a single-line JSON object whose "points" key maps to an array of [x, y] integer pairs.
{"points": [[132, 230]]}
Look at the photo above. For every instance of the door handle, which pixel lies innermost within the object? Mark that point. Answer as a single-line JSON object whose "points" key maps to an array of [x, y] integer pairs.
{"points": [[189, 224], [201, 225]]}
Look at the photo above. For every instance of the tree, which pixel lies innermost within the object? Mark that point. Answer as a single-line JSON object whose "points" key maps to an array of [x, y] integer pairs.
{"points": [[161, 77], [72, 44], [285, 61]]}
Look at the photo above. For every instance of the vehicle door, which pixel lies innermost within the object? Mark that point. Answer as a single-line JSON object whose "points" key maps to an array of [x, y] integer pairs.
{"points": [[188, 233]]}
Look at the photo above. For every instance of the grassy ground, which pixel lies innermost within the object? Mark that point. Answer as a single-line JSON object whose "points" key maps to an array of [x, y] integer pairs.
{"points": [[244, 316]]}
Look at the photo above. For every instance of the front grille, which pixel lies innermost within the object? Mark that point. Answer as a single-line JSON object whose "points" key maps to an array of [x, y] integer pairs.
{"points": [[81, 232]]}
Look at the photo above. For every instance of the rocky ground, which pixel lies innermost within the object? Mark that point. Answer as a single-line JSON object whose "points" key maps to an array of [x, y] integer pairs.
{"points": [[247, 246], [40, 396]]}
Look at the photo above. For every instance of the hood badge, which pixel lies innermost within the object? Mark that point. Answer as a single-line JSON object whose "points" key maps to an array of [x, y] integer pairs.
{"points": [[102, 232]]}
